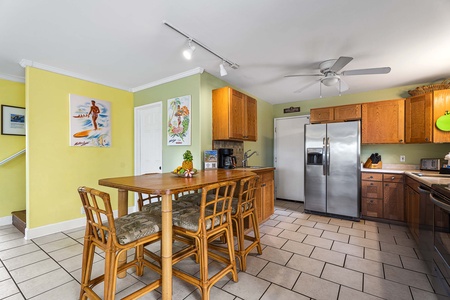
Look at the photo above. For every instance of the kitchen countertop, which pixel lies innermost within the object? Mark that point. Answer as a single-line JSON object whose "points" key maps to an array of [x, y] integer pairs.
{"points": [[255, 169]]}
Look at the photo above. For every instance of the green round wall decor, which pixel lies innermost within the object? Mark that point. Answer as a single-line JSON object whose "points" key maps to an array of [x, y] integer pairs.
{"points": [[443, 122]]}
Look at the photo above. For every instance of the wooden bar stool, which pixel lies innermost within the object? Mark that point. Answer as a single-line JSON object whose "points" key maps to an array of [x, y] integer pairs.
{"points": [[244, 207], [199, 225], [114, 237]]}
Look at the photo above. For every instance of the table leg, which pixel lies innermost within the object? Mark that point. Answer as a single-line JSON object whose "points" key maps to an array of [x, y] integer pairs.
{"points": [[166, 247], [122, 209]]}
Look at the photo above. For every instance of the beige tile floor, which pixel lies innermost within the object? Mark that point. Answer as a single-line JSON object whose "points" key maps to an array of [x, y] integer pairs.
{"points": [[304, 257]]}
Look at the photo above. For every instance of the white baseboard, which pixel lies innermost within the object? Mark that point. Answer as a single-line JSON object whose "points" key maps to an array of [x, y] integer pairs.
{"points": [[58, 227], [6, 220]]}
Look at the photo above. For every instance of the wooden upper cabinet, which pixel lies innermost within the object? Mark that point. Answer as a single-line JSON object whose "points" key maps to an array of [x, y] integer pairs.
{"points": [[419, 119], [347, 112], [234, 115], [422, 112], [383, 122], [441, 104], [335, 114], [321, 115]]}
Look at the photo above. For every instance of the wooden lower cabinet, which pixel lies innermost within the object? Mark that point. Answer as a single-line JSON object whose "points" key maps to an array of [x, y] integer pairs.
{"points": [[265, 196], [393, 199], [372, 207], [412, 203], [382, 196]]}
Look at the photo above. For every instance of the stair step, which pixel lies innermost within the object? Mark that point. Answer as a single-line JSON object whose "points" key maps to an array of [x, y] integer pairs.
{"points": [[19, 220]]}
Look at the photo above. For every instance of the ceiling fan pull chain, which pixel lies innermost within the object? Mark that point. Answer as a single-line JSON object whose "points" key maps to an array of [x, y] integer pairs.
{"points": [[320, 88]]}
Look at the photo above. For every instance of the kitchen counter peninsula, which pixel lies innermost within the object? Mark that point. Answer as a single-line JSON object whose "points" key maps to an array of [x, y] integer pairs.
{"points": [[265, 195]]}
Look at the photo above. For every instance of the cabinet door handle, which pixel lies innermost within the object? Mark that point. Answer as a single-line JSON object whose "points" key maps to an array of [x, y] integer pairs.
{"points": [[387, 184], [370, 177], [401, 141], [371, 183], [263, 185], [393, 177]]}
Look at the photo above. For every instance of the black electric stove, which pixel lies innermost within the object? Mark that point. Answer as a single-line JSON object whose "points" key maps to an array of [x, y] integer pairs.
{"points": [[440, 197]]}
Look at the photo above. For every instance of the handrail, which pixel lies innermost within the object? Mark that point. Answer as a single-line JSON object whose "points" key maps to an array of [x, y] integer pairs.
{"points": [[12, 157]]}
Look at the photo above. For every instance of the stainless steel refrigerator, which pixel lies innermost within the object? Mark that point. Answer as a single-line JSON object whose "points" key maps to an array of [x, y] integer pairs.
{"points": [[333, 169]]}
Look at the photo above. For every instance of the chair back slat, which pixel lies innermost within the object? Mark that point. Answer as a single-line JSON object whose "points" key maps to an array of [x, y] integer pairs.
{"points": [[215, 212], [247, 194], [99, 214]]}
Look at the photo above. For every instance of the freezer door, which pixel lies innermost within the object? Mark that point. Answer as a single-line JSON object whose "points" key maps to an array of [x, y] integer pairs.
{"points": [[343, 170], [315, 179]]}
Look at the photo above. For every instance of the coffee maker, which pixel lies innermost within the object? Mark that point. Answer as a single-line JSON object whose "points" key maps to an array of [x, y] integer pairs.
{"points": [[226, 159]]}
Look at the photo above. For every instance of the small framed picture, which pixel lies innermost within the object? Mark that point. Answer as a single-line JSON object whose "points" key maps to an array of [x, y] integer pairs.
{"points": [[13, 120]]}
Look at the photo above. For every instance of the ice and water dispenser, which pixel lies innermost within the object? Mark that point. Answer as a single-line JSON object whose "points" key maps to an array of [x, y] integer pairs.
{"points": [[314, 156]]}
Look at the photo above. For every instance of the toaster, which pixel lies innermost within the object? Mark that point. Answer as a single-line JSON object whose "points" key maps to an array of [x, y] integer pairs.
{"points": [[430, 164]]}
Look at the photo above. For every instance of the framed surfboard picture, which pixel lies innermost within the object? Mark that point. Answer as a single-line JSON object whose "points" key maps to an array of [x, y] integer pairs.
{"points": [[90, 122], [13, 120]]}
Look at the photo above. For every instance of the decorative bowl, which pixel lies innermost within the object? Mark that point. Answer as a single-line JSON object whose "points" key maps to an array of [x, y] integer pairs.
{"points": [[184, 174]]}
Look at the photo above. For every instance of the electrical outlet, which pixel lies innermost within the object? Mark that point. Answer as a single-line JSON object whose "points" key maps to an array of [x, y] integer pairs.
{"points": [[402, 158], [82, 210]]}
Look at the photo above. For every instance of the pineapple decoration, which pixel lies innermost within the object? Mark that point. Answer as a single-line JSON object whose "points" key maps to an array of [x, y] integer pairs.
{"points": [[187, 168], [187, 161]]}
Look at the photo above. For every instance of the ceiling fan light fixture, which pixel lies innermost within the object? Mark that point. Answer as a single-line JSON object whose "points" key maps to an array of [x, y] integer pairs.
{"points": [[223, 71], [189, 51], [330, 80]]}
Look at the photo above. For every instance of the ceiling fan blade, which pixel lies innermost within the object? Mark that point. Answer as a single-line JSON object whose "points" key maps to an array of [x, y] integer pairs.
{"points": [[340, 63], [344, 86], [307, 86], [298, 75], [383, 70]]}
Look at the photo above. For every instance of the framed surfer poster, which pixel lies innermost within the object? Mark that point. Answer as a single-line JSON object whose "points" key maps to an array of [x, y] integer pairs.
{"points": [[90, 122], [179, 121], [13, 120]]}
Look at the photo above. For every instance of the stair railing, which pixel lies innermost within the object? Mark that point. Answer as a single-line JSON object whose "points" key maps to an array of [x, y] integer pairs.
{"points": [[12, 157]]}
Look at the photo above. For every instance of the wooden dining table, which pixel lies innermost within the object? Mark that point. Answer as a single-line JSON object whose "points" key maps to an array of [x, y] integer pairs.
{"points": [[167, 184]]}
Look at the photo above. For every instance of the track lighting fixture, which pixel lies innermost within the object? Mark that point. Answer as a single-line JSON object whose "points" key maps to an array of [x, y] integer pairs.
{"points": [[223, 72], [188, 52]]}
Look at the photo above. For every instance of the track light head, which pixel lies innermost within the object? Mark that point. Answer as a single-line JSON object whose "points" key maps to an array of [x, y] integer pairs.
{"points": [[189, 51], [223, 72]]}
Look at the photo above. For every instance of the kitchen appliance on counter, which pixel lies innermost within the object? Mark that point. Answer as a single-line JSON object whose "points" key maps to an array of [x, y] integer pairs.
{"points": [[430, 164], [333, 169], [440, 197], [226, 159]]}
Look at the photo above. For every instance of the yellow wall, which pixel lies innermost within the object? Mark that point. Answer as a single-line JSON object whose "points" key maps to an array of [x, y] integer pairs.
{"points": [[12, 174], [55, 169]]}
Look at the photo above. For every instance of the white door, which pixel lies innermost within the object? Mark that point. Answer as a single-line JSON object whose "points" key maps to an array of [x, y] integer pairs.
{"points": [[289, 162], [148, 138]]}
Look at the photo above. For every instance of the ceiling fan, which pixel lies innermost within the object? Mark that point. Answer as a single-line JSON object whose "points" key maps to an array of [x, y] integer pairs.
{"points": [[329, 73]]}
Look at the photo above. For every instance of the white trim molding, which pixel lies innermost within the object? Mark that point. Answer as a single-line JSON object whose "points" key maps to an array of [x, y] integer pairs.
{"points": [[28, 63], [6, 220], [62, 226], [195, 71], [12, 78]]}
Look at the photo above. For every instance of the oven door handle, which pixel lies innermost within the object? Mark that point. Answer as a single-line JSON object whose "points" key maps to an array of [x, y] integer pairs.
{"points": [[439, 203], [423, 189]]}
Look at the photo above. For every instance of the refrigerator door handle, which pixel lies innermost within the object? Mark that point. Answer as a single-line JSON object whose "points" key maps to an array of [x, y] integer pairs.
{"points": [[324, 160], [328, 156]]}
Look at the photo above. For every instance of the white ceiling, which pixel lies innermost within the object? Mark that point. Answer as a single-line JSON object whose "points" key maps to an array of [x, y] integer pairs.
{"points": [[125, 43]]}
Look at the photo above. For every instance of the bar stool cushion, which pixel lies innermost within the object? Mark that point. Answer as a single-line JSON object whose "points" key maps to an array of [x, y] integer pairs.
{"points": [[155, 207], [188, 218], [134, 226]]}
